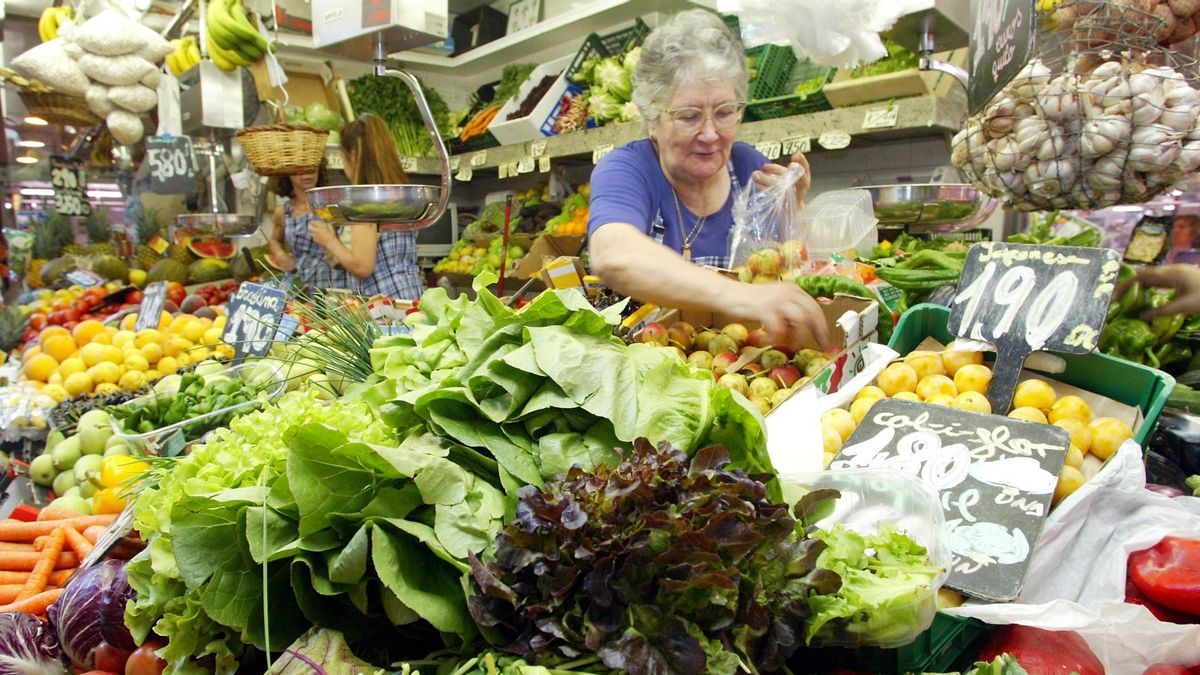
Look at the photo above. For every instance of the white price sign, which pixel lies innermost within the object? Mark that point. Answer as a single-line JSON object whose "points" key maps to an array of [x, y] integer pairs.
{"points": [[502, 170], [169, 159], [409, 164], [883, 117], [479, 159], [601, 152], [543, 165], [537, 148], [454, 162], [526, 165], [834, 140], [794, 144], [464, 174]]}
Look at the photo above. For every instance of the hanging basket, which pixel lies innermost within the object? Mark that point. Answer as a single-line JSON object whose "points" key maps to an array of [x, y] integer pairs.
{"points": [[57, 108], [283, 149], [1101, 115]]}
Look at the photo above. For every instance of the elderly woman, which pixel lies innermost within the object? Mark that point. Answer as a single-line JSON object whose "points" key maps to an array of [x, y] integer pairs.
{"points": [[662, 206]]}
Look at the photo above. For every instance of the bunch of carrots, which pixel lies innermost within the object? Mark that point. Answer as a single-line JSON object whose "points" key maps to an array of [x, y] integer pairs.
{"points": [[38, 558], [479, 122]]}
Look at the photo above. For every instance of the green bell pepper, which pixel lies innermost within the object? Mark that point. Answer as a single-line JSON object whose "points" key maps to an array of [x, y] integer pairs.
{"points": [[1130, 303], [1171, 353], [1165, 327], [1127, 338], [826, 286]]}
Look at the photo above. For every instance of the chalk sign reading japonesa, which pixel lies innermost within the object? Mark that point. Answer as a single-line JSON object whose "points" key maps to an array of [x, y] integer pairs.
{"points": [[1023, 298], [254, 313], [995, 477], [1001, 39]]}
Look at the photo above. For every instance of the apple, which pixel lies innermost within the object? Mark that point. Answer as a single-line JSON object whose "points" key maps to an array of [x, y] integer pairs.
{"points": [[736, 332], [722, 343], [701, 359], [785, 375], [735, 382], [751, 370], [744, 274], [681, 334], [722, 361], [702, 340], [758, 338], [769, 262], [763, 279], [780, 396], [678, 352], [763, 405], [764, 387], [654, 333], [792, 253], [772, 358]]}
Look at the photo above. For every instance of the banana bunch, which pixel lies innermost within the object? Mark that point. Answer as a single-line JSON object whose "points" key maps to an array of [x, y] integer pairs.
{"points": [[185, 56], [232, 39], [51, 19]]}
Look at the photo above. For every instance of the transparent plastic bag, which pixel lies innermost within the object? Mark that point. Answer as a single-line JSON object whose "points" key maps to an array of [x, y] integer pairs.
{"points": [[766, 227]]}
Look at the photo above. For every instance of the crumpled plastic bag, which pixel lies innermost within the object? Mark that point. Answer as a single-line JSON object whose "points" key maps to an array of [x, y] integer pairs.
{"points": [[1076, 578], [762, 219], [840, 34]]}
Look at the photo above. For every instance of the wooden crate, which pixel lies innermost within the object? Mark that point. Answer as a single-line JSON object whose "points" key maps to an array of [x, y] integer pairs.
{"points": [[844, 91]]}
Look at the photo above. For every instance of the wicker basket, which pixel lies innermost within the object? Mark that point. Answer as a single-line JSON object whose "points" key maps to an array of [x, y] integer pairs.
{"points": [[283, 149], [57, 108]]}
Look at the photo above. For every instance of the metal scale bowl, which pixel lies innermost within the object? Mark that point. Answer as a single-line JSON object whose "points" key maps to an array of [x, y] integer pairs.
{"points": [[392, 207], [213, 224]]}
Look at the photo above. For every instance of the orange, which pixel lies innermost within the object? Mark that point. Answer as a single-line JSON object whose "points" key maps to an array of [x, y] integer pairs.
{"points": [[50, 331], [86, 330], [61, 347], [40, 367]]}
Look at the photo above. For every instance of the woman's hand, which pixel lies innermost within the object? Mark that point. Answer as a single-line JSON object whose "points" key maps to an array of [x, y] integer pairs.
{"points": [[1184, 279], [280, 258], [322, 233], [771, 172], [791, 317]]}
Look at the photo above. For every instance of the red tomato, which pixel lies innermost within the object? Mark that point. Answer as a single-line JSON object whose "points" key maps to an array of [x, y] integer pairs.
{"points": [[29, 335], [70, 325], [110, 658], [61, 304], [70, 316], [133, 298], [144, 661], [175, 292], [37, 321]]}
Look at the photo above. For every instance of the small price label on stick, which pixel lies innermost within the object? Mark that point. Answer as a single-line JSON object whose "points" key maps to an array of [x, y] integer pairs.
{"points": [[150, 312], [1023, 298], [254, 314]]}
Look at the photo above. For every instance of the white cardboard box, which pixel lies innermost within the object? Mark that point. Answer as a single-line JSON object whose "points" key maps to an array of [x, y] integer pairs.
{"points": [[540, 122]]}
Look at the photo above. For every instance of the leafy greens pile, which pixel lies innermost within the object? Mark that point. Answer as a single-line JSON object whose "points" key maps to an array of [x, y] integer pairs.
{"points": [[535, 391], [391, 100], [659, 565]]}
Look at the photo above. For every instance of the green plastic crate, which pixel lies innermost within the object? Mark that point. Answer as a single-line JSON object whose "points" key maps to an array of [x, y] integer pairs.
{"points": [[775, 64], [613, 44], [949, 645], [786, 104], [1118, 379]]}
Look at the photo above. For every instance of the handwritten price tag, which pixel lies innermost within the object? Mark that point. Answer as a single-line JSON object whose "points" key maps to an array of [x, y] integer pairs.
{"points": [[409, 164], [150, 313], [794, 144], [170, 163], [543, 165], [537, 148], [834, 140], [502, 170], [70, 187], [884, 117], [479, 159], [526, 166], [254, 313], [464, 174], [601, 152], [454, 162]]}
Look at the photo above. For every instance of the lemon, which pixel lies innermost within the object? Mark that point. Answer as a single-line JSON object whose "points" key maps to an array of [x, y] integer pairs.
{"points": [[177, 324], [106, 389], [164, 321], [88, 331], [40, 367], [137, 278], [128, 321], [71, 366], [973, 401], [111, 354], [897, 377], [147, 336], [1108, 433], [132, 380], [56, 392], [935, 385], [860, 408], [105, 372], [167, 365], [1081, 436], [137, 362], [973, 377], [61, 347], [152, 352], [152, 375], [1070, 407], [193, 331], [173, 346], [92, 354], [55, 378], [1029, 415], [122, 338], [925, 363], [78, 383], [870, 391], [219, 322], [906, 396], [1034, 394], [1074, 457], [840, 421], [831, 440], [1070, 480], [953, 360], [212, 336], [941, 399], [225, 351]]}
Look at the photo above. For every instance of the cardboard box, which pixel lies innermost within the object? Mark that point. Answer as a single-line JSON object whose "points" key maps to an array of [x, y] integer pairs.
{"points": [[539, 122], [545, 248], [844, 91], [303, 89]]}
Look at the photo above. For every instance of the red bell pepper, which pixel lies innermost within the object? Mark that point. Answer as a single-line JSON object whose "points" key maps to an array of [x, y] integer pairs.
{"points": [[1045, 652], [1166, 669], [1135, 597], [1169, 573]]}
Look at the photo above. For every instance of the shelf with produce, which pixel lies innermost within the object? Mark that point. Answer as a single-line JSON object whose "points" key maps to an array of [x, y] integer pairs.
{"points": [[921, 116]]}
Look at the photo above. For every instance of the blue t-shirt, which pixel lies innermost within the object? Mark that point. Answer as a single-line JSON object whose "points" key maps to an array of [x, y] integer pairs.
{"points": [[628, 186]]}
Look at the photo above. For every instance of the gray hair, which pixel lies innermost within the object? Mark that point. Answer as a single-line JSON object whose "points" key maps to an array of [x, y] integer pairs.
{"points": [[690, 47]]}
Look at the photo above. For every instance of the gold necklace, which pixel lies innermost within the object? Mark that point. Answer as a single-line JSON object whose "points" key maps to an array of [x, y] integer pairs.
{"points": [[688, 240]]}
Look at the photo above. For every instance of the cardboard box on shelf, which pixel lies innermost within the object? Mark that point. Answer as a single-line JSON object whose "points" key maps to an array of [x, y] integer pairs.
{"points": [[303, 89], [540, 121], [844, 91], [546, 247]]}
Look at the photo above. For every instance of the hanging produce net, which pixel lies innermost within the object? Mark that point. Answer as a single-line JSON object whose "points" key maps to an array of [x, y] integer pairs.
{"points": [[1101, 115]]}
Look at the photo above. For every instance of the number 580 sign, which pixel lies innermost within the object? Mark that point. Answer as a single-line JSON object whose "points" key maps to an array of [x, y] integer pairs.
{"points": [[1024, 298]]}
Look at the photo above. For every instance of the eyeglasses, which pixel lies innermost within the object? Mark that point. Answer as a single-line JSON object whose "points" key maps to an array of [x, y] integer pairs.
{"points": [[689, 121]]}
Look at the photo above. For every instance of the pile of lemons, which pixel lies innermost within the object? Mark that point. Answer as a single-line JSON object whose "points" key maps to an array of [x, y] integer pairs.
{"points": [[959, 379], [97, 359]]}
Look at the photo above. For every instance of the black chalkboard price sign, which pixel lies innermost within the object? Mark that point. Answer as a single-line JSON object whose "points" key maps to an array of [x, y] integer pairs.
{"points": [[150, 311], [254, 314], [995, 477], [169, 160], [1001, 39], [1024, 298], [69, 180]]}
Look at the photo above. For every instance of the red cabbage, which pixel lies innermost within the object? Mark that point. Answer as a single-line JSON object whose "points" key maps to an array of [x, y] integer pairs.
{"points": [[112, 612], [77, 615], [28, 646]]}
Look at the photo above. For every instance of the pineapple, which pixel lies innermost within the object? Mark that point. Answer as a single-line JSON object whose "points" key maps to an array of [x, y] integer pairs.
{"points": [[180, 254], [50, 240], [99, 234], [13, 322], [147, 228], [76, 250]]}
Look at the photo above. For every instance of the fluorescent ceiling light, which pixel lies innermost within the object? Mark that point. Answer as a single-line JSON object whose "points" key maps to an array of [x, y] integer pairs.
{"points": [[26, 159], [104, 194], [1127, 207], [35, 121], [30, 144], [37, 192]]}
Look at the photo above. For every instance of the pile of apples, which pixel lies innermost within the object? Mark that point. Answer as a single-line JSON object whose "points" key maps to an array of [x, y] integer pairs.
{"points": [[767, 379], [769, 265], [959, 379]]}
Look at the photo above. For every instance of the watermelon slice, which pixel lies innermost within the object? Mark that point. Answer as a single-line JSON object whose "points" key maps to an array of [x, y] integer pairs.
{"points": [[222, 250]]}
